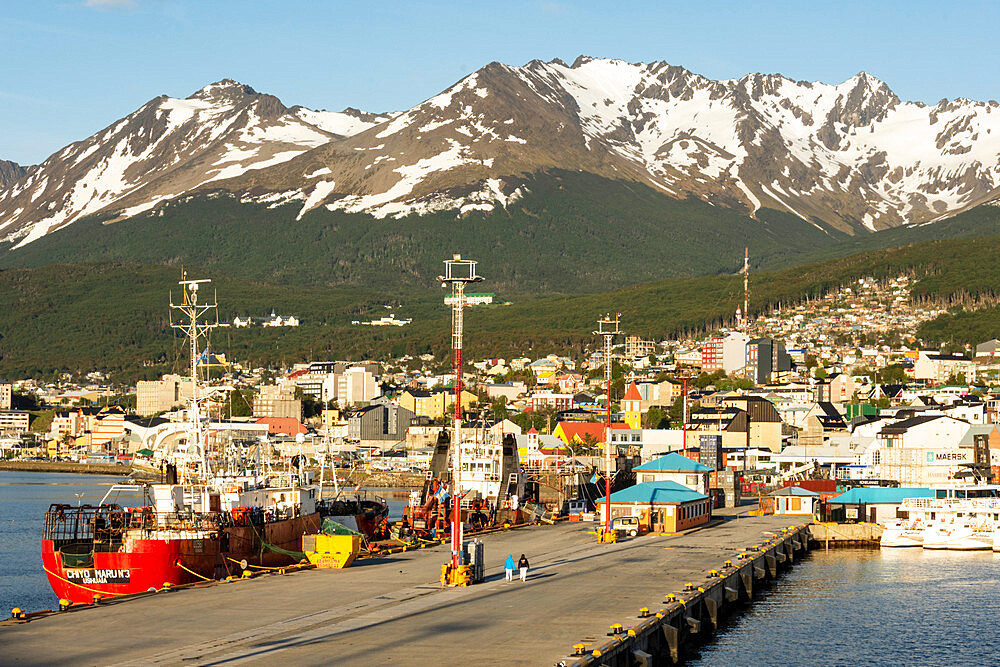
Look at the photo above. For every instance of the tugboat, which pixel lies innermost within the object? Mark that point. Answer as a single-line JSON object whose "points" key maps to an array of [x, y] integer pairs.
{"points": [[197, 524]]}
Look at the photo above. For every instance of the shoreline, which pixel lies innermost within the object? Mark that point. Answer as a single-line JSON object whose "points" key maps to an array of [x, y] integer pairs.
{"points": [[66, 467], [365, 479]]}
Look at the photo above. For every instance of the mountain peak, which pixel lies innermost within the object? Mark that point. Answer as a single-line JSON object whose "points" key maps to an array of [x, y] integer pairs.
{"points": [[223, 89]]}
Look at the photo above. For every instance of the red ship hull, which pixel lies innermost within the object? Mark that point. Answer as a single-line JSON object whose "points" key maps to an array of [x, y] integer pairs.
{"points": [[142, 563]]}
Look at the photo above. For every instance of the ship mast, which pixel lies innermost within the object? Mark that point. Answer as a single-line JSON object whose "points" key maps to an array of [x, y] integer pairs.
{"points": [[191, 311]]}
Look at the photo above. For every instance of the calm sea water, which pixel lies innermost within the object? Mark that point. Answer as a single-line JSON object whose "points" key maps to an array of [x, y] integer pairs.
{"points": [[861, 607], [24, 498]]}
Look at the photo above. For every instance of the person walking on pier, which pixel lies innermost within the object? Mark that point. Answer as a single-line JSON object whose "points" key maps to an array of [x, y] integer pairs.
{"points": [[522, 565], [509, 566]]}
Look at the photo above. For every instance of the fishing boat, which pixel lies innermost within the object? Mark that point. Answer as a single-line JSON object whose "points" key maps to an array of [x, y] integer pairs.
{"points": [[195, 524]]}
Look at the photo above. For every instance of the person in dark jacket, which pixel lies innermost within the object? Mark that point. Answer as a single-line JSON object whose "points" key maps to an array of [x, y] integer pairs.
{"points": [[522, 565]]}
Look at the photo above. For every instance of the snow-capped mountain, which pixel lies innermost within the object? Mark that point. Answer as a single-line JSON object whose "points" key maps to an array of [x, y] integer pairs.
{"points": [[851, 156], [164, 149]]}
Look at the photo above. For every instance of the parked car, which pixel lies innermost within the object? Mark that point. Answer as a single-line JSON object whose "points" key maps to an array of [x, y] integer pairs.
{"points": [[626, 524]]}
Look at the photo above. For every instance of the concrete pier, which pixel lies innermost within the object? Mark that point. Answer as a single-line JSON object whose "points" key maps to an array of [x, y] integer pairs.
{"points": [[393, 610], [825, 535]]}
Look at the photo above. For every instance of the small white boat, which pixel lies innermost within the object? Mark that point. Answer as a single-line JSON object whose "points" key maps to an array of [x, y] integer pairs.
{"points": [[903, 533], [959, 536]]}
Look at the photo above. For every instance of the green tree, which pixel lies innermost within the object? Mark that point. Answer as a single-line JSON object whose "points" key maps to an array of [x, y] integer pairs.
{"points": [[498, 408], [892, 374], [240, 403], [957, 378], [656, 418]]}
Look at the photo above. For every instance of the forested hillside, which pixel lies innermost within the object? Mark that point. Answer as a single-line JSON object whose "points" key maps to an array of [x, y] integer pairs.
{"points": [[114, 316], [572, 233]]}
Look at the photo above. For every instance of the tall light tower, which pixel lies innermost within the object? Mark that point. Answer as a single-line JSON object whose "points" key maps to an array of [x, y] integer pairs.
{"points": [[458, 273], [608, 328]]}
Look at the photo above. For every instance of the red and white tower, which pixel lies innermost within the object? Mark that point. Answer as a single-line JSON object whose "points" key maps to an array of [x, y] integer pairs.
{"points": [[608, 329], [458, 273]]}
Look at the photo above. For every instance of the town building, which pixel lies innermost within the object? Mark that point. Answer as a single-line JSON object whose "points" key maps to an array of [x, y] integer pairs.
{"points": [[636, 347], [509, 390], [763, 421], [435, 404], [795, 500], [662, 506], [540, 451], [586, 434], [6, 396], [276, 401], [379, 423], [874, 504], [674, 467], [766, 360], [541, 400], [923, 450], [155, 396], [725, 353], [353, 386], [631, 405], [14, 421], [990, 348], [473, 299], [938, 367]]}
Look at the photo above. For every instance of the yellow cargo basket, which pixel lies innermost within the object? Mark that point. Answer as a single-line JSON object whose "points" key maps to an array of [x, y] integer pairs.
{"points": [[331, 551]]}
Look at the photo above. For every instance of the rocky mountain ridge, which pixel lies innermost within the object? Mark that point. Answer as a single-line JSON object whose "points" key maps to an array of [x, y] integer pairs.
{"points": [[851, 157], [10, 172], [164, 149]]}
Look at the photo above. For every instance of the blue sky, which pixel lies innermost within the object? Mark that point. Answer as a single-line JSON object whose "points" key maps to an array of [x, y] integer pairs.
{"points": [[73, 67]]}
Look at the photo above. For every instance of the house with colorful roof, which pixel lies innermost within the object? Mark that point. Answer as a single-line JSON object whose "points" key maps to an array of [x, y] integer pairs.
{"points": [[661, 506], [582, 433], [567, 381], [540, 451], [676, 468]]}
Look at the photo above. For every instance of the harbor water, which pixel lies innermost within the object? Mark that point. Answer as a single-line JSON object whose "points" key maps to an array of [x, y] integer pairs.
{"points": [[24, 498], [861, 607]]}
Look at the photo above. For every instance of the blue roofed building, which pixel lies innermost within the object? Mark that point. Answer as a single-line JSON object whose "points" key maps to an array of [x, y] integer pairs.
{"points": [[795, 500], [873, 504], [674, 467], [663, 506]]}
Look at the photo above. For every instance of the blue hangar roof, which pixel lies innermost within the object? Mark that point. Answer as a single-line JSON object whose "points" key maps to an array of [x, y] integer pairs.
{"points": [[655, 492], [880, 495], [673, 462]]}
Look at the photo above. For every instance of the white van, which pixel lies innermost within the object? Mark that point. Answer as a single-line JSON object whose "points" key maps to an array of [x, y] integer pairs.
{"points": [[626, 524]]}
